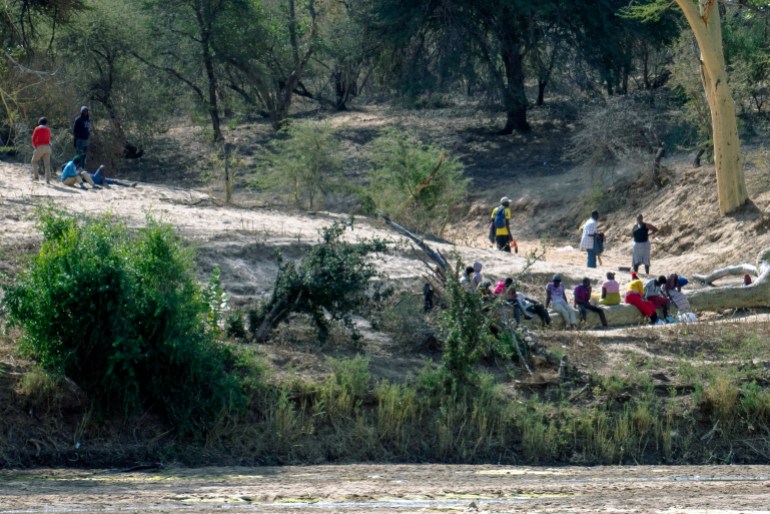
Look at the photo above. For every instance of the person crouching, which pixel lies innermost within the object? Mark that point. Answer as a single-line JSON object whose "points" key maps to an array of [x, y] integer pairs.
{"points": [[70, 176]]}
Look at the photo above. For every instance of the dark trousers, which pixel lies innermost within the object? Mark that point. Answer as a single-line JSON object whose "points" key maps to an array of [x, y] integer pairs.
{"points": [[542, 313], [583, 307], [503, 243]]}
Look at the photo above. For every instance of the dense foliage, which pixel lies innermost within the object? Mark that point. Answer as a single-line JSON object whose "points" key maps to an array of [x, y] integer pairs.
{"points": [[334, 277], [121, 314]]}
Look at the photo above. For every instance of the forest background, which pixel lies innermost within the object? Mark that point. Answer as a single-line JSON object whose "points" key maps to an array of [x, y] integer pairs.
{"points": [[603, 85]]}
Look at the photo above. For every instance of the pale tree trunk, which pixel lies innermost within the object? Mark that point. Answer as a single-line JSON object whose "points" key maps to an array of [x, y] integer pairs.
{"points": [[756, 295], [705, 24]]}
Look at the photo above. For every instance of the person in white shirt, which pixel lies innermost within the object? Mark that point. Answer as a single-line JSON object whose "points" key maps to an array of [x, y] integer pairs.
{"points": [[587, 239]]}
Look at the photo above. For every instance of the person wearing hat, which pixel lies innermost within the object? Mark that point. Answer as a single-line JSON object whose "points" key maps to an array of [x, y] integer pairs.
{"points": [[555, 293], [610, 291], [70, 176], [587, 239], [81, 130], [41, 142], [501, 223]]}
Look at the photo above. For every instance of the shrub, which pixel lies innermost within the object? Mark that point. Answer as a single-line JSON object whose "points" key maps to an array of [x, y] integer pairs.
{"points": [[304, 163], [414, 183], [121, 314], [334, 277]]}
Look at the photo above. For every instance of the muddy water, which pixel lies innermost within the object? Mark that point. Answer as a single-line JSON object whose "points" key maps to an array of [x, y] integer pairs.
{"points": [[383, 489]]}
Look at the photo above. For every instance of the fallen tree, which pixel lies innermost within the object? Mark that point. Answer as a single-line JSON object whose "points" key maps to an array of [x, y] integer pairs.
{"points": [[756, 295]]}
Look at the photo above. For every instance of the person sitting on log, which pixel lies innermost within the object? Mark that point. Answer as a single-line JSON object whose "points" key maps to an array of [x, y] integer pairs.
{"points": [[680, 301], [610, 291], [512, 300], [582, 296], [635, 297], [555, 293], [653, 292]]}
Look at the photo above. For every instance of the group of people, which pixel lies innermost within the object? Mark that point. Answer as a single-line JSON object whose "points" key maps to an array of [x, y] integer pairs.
{"points": [[658, 293], [473, 280], [74, 171], [592, 242]]}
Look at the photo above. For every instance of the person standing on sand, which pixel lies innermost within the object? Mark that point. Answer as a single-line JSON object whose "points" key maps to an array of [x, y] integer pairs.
{"points": [[501, 219], [81, 130], [587, 239], [641, 252], [41, 142]]}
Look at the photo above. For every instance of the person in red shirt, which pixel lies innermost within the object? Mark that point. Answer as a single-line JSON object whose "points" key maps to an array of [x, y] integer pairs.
{"points": [[41, 142]]}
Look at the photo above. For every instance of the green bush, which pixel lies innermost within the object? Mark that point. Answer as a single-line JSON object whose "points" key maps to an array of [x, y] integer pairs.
{"points": [[334, 277], [303, 163], [404, 185], [120, 313]]}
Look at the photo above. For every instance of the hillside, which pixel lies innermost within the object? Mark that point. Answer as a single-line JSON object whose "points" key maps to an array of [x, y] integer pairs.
{"points": [[551, 196]]}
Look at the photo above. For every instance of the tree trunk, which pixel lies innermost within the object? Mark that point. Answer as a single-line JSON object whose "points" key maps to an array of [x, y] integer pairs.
{"points": [[541, 92], [514, 95], [729, 271], [705, 24], [756, 295]]}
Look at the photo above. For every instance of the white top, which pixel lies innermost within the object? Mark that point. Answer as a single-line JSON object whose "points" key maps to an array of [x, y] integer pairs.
{"points": [[589, 230]]}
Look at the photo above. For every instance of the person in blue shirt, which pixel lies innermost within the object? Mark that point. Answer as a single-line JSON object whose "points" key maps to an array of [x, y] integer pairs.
{"points": [[70, 176], [100, 180]]}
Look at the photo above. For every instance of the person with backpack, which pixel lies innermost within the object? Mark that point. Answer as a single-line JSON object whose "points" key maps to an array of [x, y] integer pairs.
{"points": [[501, 217], [588, 239]]}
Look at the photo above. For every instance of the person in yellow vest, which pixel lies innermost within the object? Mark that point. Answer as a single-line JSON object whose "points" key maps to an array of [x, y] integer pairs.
{"points": [[501, 224]]}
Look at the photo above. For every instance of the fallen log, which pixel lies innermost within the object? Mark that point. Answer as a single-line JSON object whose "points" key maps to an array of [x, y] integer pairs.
{"points": [[756, 295], [617, 316], [728, 271]]}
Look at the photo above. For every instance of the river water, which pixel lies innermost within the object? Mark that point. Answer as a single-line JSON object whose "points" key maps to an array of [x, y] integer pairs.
{"points": [[391, 488]]}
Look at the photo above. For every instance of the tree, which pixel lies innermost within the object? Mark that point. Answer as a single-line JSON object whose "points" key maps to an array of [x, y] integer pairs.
{"points": [[704, 20], [190, 32], [264, 70]]}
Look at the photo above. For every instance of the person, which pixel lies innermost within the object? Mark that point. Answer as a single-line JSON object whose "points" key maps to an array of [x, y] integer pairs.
{"points": [[70, 176], [41, 142], [485, 289], [529, 306], [653, 292], [502, 286], [635, 297], [501, 219], [477, 278], [746, 279], [587, 239], [555, 293], [81, 130], [641, 251], [100, 180], [512, 300], [582, 295], [610, 291], [466, 281], [427, 297], [680, 301]]}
